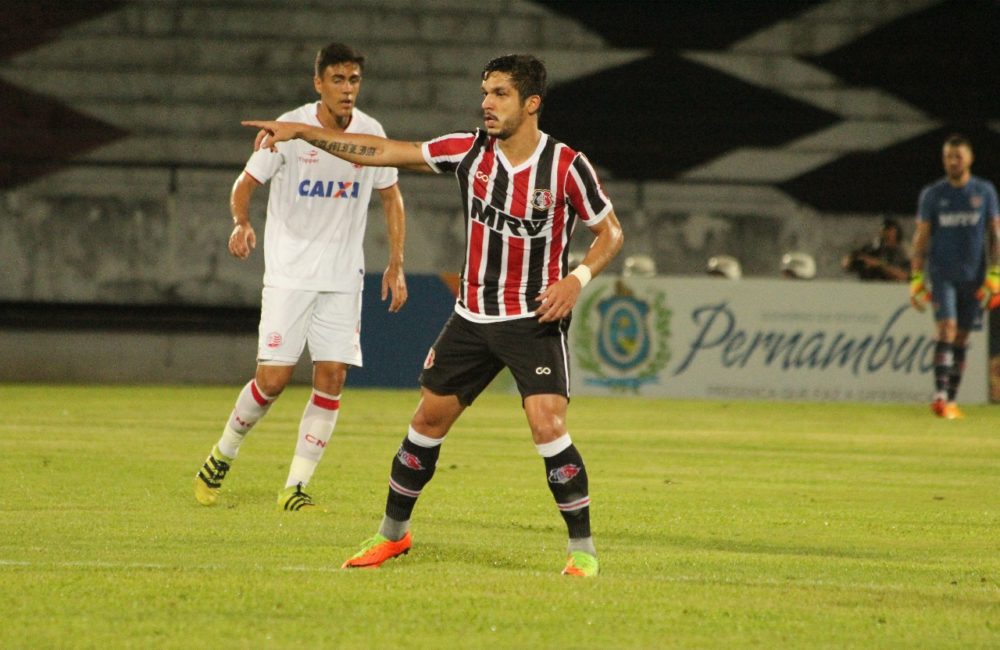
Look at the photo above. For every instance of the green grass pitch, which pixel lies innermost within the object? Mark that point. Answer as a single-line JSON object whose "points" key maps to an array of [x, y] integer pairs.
{"points": [[719, 524]]}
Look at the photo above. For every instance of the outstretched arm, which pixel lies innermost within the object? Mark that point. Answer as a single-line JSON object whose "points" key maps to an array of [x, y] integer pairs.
{"points": [[559, 299], [357, 148]]}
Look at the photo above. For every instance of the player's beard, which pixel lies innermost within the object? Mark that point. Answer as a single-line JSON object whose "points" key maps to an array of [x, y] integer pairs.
{"points": [[509, 127], [957, 176]]}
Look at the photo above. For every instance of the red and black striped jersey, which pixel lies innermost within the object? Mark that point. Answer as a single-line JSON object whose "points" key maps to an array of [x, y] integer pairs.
{"points": [[519, 220]]}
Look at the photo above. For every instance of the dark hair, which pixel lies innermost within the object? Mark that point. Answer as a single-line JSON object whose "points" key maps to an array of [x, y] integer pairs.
{"points": [[527, 73], [892, 224], [335, 53], [957, 140]]}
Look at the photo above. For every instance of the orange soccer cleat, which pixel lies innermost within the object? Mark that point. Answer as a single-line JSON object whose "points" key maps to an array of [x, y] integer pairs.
{"points": [[581, 565], [952, 412], [377, 550]]}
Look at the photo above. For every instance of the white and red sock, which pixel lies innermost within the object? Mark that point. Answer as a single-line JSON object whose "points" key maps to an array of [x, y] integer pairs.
{"points": [[250, 407], [315, 430]]}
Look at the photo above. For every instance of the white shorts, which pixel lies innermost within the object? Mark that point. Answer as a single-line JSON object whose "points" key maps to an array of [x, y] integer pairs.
{"points": [[329, 322]]}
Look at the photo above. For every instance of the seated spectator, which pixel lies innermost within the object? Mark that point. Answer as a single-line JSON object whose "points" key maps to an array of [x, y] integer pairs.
{"points": [[724, 266], [881, 259], [798, 266]]}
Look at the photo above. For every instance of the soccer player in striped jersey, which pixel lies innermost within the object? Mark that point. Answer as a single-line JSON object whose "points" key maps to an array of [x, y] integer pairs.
{"points": [[958, 235], [317, 212], [522, 193]]}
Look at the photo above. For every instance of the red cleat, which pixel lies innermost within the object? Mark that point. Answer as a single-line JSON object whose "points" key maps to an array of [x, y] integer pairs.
{"points": [[938, 406]]}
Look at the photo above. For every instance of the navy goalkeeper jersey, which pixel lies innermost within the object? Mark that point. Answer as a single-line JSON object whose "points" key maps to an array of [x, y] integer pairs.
{"points": [[958, 217]]}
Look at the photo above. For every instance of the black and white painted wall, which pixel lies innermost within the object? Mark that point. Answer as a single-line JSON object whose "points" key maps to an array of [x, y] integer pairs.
{"points": [[724, 126]]}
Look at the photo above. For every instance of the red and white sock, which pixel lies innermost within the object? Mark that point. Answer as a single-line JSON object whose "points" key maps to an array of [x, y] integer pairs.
{"points": [[250, 407], [315, 431]]}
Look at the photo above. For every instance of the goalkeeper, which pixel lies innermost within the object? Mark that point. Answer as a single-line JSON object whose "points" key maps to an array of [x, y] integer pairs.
{"points": [[962, 264]]}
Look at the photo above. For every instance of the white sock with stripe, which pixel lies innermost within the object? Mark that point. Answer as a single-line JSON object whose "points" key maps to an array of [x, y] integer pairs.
{"points": [[315, 430], [251, 406]]}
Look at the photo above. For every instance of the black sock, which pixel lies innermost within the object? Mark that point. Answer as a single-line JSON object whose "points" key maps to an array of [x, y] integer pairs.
{"points": [[955, 374], [412, 468], [567, 477], [943, 361]]}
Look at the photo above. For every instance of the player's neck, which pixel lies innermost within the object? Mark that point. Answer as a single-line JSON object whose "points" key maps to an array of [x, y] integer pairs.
{"points": [[961, 181], [522, 144], [331, 121]]}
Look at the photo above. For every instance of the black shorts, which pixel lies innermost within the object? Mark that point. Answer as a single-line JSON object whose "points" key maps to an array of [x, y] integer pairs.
{"points": [[467, 356]]}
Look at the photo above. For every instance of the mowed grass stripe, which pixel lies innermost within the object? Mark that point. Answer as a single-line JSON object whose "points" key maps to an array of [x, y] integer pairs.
{"points": [[741, 524]]}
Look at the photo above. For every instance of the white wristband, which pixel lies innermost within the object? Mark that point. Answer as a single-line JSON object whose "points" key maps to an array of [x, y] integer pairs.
{"points": [[582, 274]]}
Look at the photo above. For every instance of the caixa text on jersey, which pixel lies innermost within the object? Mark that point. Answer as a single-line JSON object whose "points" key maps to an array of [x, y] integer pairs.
{"points": [[329, 189]]}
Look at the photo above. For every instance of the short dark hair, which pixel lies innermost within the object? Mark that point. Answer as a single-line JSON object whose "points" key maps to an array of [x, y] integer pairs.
{"points": [[335, 53], [892, 224], [526, 71], [957, 140]]}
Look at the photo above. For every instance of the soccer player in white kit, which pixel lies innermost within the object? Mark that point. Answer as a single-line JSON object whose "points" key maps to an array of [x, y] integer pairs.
{"points": [[314, 272]]}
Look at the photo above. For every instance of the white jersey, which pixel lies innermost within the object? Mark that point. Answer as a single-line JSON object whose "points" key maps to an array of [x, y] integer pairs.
{"points": [[317, 209]]}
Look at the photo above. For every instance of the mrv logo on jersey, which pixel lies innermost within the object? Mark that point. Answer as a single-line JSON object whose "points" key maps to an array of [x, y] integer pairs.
{"points": [[501, 221], [330, 189]]}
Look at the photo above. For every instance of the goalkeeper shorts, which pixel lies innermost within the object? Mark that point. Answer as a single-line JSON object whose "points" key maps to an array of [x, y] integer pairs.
{"points": [[957, 301]]}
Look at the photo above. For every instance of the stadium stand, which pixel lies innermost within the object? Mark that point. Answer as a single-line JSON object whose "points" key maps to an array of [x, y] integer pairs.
{"points": [[722, 125], [748, 127]]}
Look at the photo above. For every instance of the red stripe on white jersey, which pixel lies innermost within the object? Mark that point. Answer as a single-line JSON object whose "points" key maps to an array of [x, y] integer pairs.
{"points": [[556, 241], [519, 192], [512, 289], [513, 278], [475, 251], [481, 180], [481, 186], [450, 146], [579, 197]]}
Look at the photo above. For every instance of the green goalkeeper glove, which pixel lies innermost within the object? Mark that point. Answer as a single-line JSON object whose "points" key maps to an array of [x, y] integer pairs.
{"points": [[989, 294], [919, 295]]}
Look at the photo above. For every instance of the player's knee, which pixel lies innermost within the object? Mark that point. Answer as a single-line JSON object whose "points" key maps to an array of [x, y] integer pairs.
{"points": [[430, 424], [329, 378], [546, 427], [270, 388], [546, 417], [947, 331], [435, 414], [271, 380]]}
